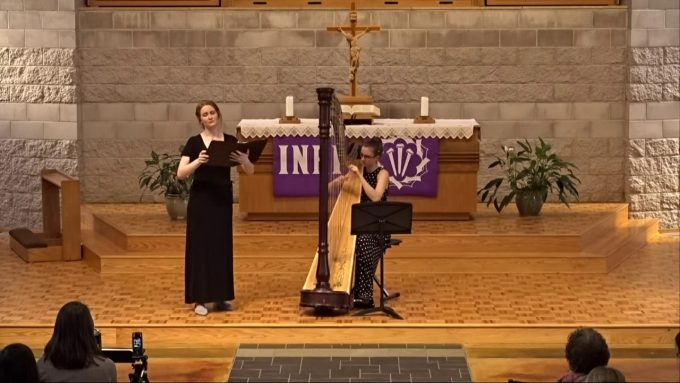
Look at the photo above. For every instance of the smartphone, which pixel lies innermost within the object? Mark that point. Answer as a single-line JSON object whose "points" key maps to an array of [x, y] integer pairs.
{"points": [[137, 344], [98, 338]]}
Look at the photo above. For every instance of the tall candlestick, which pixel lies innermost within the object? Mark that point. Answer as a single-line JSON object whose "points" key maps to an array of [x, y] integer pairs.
{"points": [[424, 106], [289, 106]]}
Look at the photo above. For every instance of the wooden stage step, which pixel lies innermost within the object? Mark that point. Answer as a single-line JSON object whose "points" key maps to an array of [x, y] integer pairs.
{"points": [[586, 238]]}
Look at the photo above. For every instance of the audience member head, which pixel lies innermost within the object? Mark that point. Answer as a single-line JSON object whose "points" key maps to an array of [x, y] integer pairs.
{"points": [[677, 344], [203, 103], [604, 374], [585, 350], [17, 364], [73, 344], [376, 145]]}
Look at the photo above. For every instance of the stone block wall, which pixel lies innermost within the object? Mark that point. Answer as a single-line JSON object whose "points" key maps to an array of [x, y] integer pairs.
{"points": [[557, 73], [38, 103], [653, 171]]}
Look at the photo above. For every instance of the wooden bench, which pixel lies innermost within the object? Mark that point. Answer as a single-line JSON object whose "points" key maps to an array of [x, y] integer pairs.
{"points": [[60, 239]]}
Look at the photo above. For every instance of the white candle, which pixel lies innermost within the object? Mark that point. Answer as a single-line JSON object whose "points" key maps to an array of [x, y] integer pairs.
{"points": [[289, 106], [424, 106]]}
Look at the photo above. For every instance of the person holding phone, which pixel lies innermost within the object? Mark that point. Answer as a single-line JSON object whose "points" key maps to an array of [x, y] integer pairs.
{"points": [[209, 258], [72, 354]]}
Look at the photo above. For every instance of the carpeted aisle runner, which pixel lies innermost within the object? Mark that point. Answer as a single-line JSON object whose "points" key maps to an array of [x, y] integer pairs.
{"points": [[350, 363]]}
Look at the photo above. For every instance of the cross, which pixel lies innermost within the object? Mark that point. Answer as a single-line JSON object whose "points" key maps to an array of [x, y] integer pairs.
{"points": [[353, 33]]}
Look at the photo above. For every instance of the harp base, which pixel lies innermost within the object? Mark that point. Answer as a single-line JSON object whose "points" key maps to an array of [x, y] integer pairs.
{"points": [[325, 300]]}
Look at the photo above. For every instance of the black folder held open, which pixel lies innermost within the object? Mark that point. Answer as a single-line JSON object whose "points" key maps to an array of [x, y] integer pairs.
{"points": [[219, 151]]}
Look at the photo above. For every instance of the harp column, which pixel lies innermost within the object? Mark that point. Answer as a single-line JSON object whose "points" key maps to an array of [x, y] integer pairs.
{"points": [[325, 96]]}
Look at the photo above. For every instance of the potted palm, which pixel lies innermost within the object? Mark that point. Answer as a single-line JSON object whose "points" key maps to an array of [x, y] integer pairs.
{"points": [[160, 176], [531, 173]]}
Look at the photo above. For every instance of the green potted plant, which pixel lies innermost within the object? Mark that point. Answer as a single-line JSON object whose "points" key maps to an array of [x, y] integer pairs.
{"points": [[160, 176], [531, 173]]}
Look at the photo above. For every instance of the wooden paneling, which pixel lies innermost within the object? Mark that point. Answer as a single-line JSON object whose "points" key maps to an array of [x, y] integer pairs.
{"points": [[153, 3], [552, 2], [478, 337], [341, 4], [473, 335], [269, 4], [361, 4]]}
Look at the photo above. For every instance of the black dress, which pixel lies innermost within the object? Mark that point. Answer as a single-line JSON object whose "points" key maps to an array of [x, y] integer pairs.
{"points": [[209, 258], [369, 249]]}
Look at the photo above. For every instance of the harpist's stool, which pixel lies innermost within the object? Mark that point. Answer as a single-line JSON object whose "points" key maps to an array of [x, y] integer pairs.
{"points": [[386, 294]]}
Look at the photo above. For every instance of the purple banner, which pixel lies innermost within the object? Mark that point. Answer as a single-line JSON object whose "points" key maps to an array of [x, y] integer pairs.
{"points": [[412, 162]]}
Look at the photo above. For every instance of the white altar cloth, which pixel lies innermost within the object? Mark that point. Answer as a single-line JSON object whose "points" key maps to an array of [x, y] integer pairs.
{"points": [[442, 128]]}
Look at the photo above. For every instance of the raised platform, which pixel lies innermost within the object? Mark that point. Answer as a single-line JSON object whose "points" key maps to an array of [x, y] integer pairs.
{"points": [[513, 323], [586, 238]]}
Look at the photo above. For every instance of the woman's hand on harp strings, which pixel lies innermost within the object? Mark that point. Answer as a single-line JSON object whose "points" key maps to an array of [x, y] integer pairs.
{"points": [[354, 169], [337, 182]]}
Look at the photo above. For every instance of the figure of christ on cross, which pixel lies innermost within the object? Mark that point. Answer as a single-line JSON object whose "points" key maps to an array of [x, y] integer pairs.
{"points": [[354, 51], [353, 33]]}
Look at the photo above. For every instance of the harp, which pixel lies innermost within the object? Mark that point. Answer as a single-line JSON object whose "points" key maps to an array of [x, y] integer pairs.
{"points": [[329, 281]]}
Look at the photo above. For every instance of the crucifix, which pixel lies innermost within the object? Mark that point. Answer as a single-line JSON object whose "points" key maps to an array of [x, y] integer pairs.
{"points": [[352, 34]]}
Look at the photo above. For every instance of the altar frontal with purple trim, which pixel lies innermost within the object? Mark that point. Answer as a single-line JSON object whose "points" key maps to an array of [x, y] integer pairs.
{"points": [[412, 162]]}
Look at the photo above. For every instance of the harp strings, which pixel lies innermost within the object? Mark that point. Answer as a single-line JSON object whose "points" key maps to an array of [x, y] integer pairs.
{"points": [[339, 162]]}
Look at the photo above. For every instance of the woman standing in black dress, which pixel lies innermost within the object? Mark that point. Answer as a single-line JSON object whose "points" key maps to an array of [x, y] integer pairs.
{"points": [[369, 247], [209, 258]]}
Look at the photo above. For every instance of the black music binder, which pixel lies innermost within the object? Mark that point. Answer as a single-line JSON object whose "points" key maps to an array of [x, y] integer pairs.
{"points": [[219, 151]]}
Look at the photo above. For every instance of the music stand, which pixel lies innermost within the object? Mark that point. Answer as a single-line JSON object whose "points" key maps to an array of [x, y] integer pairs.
{"points": [[381, 218]]}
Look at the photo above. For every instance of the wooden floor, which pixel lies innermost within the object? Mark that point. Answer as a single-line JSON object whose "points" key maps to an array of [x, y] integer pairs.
{"points": [[512, 325]]}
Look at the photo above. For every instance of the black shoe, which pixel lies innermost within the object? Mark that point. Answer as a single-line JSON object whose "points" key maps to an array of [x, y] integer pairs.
{"points": [[223, 306], [361, 303]]}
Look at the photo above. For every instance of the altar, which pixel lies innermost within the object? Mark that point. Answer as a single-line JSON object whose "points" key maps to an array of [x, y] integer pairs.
{"points": [[453, 180]]}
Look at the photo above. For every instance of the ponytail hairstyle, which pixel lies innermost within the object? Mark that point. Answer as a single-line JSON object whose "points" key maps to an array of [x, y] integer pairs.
{"points": [[376, 144]]}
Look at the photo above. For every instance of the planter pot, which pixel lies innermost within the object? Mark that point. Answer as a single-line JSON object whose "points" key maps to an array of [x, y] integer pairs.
{"points": [[176, 206], [530, 202]]}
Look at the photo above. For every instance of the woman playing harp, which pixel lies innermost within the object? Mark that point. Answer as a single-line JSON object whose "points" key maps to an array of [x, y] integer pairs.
{"points": [[369, 247]]}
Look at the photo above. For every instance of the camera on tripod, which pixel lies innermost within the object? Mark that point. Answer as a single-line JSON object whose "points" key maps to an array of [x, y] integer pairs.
{"points": [[136, 356]]}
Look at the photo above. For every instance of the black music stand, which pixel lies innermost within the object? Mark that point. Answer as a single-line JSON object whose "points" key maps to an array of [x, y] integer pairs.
{"points": [[382, 218], [393, 242]]}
